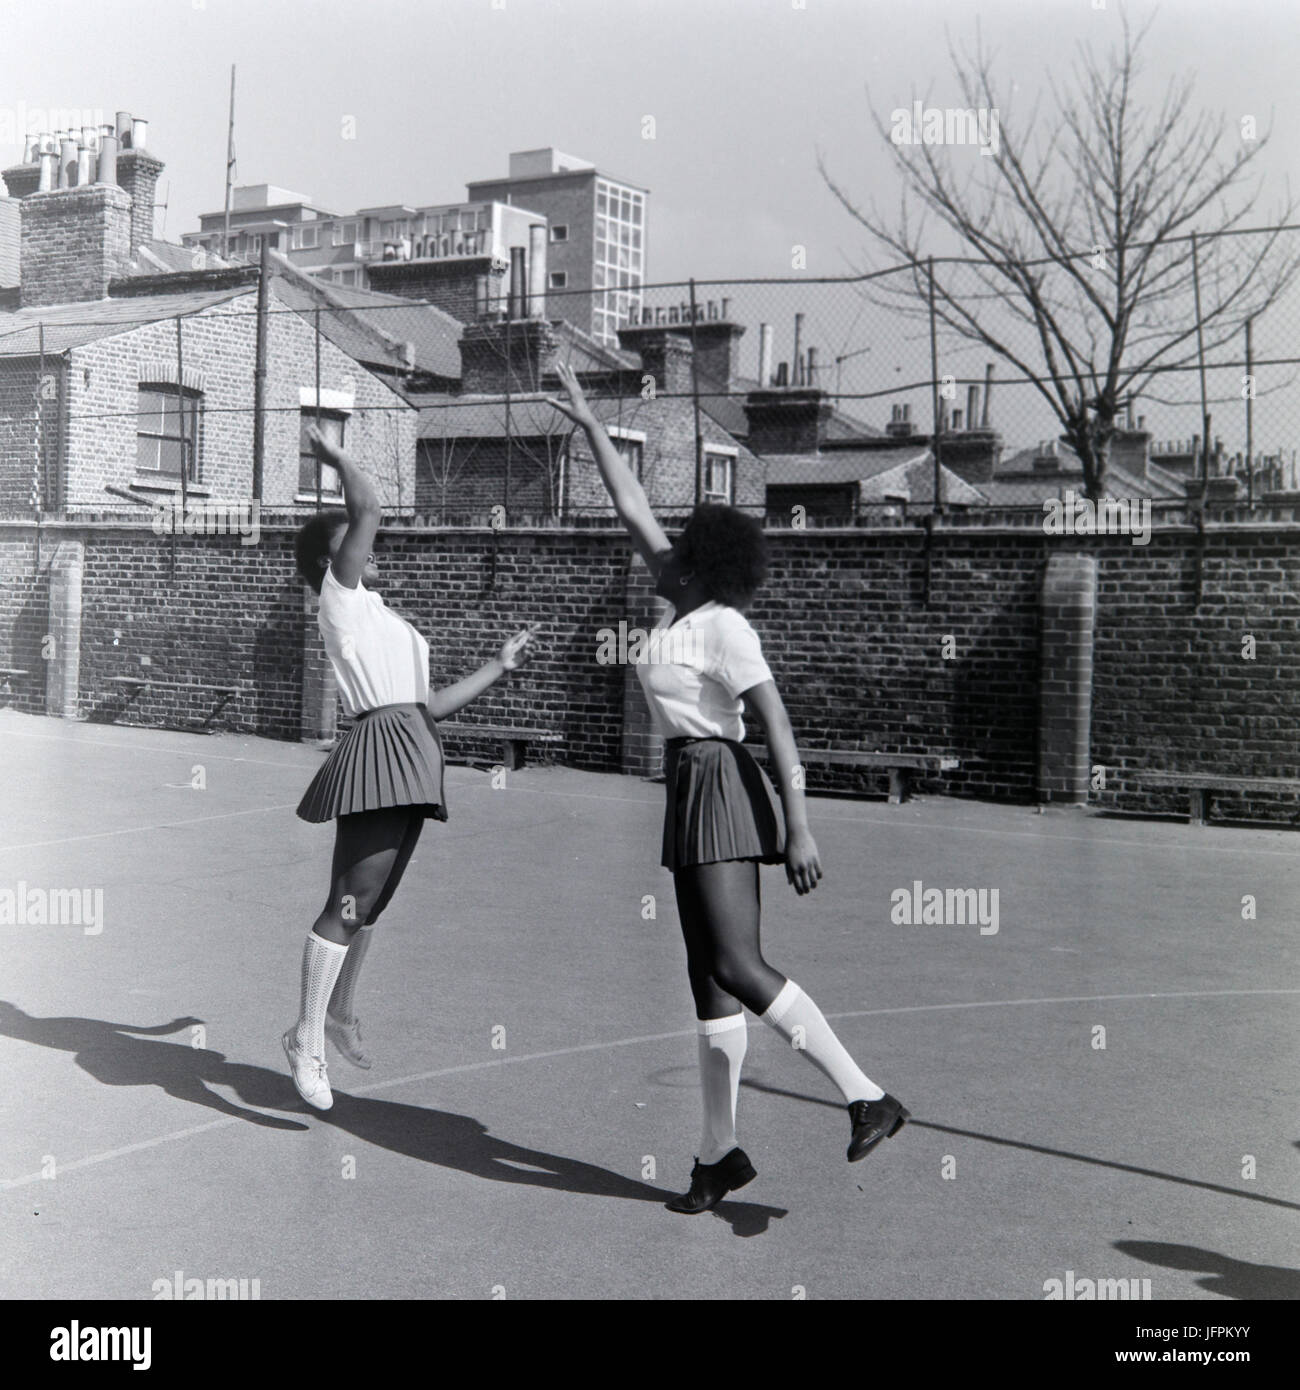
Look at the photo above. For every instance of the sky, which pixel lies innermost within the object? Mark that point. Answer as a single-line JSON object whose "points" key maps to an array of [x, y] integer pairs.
{"points": [[745, 96]]}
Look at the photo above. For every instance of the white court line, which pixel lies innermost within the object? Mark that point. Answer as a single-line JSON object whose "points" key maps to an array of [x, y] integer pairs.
{"points": [[164, 825], [5, 1184]]}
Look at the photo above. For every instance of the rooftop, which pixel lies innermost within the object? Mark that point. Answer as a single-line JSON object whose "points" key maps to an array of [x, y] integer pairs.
{"points": [[70, 325]]}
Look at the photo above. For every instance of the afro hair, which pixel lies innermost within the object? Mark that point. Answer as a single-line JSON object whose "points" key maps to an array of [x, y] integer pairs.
{"points": [[312, 544], [727, 551]]}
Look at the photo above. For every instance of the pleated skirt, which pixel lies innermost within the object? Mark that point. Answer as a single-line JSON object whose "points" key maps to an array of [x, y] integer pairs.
{"points": [[720, 805], [391, 756]]}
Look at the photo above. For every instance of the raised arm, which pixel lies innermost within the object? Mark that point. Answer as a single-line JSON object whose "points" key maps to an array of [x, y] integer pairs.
{"points": [[364, 511], [802, 865], [445, 702], [627, 495]]}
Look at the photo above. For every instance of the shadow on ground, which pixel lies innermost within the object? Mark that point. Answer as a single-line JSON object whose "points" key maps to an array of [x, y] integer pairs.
{"points": [[123, 1054]]}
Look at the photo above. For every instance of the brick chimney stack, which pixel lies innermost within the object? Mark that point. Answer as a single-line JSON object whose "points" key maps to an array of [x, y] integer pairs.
{"points": [[466, 287], [137, 173], [665, 355], [73, 242], [496, 357], [786, 422]]}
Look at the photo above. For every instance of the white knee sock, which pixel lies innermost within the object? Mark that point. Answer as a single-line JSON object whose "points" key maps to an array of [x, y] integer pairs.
{"points": [[722, 1043], [340, 1005], [321, 962], [802, 1024]]}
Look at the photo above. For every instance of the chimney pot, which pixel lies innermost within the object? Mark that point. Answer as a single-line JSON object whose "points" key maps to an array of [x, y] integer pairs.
{"points": [[67, 162], [536, 272], [107, 170], [124, 130], [764, 355]]}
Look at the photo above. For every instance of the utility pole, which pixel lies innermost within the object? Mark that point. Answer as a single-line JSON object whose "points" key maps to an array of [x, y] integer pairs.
{"points": [[230, 164]]}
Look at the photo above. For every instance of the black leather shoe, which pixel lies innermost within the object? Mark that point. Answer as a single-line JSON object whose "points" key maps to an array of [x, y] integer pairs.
{"points": [[710, 1183], [874, 1120]]}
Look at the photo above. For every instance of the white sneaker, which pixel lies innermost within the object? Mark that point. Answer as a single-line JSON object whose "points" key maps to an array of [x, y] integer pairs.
{"points": [[308, 1073], [345, 1034]]}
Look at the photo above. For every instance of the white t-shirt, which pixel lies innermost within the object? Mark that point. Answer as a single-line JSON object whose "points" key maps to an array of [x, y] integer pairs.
{"points": [[694, 670], [378, 658]]}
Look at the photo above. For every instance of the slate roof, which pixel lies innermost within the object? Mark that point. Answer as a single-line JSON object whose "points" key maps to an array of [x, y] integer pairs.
{"points": [[71, 325]]}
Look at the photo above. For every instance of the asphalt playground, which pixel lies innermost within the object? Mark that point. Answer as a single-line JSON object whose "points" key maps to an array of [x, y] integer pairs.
{"points": [[534, 1100]]}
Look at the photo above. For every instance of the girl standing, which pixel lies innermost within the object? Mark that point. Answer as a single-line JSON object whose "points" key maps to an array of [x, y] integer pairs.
{"points": [[385, 776], [722, 820]]}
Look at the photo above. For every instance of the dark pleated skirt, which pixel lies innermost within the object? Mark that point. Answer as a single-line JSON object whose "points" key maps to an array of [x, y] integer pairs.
{"points": [[720, 805], [391, 756]]}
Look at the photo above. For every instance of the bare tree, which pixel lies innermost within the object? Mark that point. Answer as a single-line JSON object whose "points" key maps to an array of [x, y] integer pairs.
{"points": [[1076, 232]]}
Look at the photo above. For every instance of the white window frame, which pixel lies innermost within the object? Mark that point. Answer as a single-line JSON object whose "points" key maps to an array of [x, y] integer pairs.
{"points": [[560, 231], [558, 280], [722, 453], [619, 435]]}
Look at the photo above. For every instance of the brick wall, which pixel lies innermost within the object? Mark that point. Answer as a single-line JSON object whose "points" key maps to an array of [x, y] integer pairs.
{"points": [[858, 653], [219, 355], [1171, 687]]}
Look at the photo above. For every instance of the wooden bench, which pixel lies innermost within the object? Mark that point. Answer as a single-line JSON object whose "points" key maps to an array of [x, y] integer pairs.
{"points": [[514, 740], [133, 685], [900, 766], [1201, 786]]}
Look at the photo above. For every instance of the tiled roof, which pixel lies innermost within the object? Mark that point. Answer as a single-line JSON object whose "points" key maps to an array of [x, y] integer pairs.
{"points": [[484, 417], [373, 327], [915, 481], [584, 354], [164, 257], [881, 474], [842, 466], [10, 224], [70, 325], [1015, 481]]}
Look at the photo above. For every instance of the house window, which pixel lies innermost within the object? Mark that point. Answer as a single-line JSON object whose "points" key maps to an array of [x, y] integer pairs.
{"points": [[344, 233], [631, 449], [159, 425], [718, 477], [560, 232], [330, 423], [305, 238], [559, 279]]}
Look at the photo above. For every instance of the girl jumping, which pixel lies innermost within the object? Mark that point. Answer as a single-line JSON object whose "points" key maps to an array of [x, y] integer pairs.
{"points": [[385, 776], [722, 821]]}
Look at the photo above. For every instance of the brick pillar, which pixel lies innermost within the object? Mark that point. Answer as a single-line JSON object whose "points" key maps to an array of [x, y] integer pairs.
{"points": [[319, 688], [643, 749], [63, 666], [1069, 612]]}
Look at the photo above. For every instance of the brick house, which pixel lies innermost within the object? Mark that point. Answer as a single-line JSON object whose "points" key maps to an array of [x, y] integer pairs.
{"points": [[120, 360]]}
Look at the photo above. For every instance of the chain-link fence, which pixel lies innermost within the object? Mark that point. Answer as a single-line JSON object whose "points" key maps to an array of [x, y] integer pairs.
{"points": [[802, 399]]}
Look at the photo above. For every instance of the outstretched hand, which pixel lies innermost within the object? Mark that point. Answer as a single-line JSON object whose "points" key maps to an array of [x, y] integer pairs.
{"points": [[515, 652], [576, 407], [324, 450]]}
